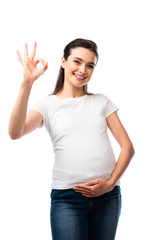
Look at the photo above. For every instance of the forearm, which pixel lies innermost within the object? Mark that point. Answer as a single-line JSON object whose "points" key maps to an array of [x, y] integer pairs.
{"points": [[18, 115], [123, 161]]}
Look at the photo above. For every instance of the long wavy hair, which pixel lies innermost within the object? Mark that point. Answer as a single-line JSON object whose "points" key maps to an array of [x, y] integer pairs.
{"points": [[79, 42]]}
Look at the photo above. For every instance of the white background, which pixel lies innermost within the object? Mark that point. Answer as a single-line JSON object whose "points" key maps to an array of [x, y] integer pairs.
{"points": [[128, 36]]}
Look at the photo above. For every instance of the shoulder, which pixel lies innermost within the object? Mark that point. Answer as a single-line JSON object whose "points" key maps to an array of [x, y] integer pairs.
{"points": [[41, 103], [101, 96], [45, 99]]}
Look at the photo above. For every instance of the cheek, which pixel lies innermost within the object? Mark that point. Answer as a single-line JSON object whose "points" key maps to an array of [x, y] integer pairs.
{"points": [[90, 72], [71, 70]]}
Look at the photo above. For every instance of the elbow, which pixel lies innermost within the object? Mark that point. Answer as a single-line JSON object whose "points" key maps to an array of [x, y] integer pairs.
{"points": [[14, 135], [132, 150], [129, 147]]}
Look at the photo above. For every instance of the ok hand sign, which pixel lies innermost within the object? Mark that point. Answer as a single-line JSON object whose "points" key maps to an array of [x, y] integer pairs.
{"points": [[30, 70]]}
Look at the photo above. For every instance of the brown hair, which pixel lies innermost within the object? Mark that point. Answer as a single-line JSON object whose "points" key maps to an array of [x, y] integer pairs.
{"points": [[79, 42]]}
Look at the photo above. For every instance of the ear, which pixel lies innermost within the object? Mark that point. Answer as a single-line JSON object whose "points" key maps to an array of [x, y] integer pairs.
{"points": [[63, 62]]}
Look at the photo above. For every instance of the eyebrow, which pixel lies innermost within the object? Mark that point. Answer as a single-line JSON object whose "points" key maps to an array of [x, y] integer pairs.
{"points": [[82, 60]]}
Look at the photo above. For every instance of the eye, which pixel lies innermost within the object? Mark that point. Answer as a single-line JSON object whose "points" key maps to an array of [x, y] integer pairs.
{"points": [[90, 66], [76, 61]]}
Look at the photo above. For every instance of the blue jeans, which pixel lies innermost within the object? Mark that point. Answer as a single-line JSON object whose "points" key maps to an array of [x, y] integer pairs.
{"points": [[77, 217]]}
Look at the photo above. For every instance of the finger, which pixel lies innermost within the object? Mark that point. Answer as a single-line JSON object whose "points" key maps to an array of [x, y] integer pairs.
{"points": [[45, 67], [83, 190], [19, 57], [85, 186], [26, 52], [45, 64], [39, 60], [91, 183], [32, 56], [87, 195], [81, 185]]}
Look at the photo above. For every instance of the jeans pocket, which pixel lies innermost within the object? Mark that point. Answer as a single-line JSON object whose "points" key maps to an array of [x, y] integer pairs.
{"points": [[61, 193], [55, 193]]}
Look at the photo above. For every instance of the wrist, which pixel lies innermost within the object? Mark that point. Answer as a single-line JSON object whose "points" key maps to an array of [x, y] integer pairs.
{"points": [[26, 85], [111, 183]]}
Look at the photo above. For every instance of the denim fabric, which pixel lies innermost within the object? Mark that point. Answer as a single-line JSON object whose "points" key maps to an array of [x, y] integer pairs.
{"points": [[77, 217]]}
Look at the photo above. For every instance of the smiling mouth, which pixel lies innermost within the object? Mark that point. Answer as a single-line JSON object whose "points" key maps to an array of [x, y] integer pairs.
{"points": [[78, 77]]}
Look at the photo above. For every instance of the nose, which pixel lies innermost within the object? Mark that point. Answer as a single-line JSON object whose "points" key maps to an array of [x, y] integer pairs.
{"points": [[82, 69]]}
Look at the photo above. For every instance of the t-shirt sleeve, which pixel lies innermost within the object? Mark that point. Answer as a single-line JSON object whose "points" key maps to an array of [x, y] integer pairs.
{"points": [[41, 107], [110, 107]]}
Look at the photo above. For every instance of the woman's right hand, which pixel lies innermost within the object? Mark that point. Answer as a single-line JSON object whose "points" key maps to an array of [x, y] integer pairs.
{"points": [[30, 70]]}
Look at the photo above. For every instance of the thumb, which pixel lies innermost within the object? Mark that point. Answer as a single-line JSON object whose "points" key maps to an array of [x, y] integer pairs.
{"points": [[93, 182], [45, 67]]}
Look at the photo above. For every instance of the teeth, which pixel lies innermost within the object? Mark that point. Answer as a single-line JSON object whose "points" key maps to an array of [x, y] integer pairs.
{"points": [[79, 76]]}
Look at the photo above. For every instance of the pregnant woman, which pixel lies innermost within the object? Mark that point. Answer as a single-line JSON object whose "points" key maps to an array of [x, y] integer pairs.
{"points": [[85, 193]]}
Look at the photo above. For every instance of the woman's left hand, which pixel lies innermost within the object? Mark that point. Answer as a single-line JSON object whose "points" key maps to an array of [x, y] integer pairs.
{"points": [[94, 188]]}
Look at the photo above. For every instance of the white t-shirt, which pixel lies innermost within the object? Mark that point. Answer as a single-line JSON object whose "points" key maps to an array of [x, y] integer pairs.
{"points": [[78, 131]]}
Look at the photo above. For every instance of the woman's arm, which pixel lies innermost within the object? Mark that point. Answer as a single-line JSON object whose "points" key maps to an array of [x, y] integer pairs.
{"points": [[18, 123], [127, 149]]}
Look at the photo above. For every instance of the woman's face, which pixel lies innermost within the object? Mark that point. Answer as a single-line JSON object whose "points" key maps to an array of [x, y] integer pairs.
{"points": [[79, 66]]}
